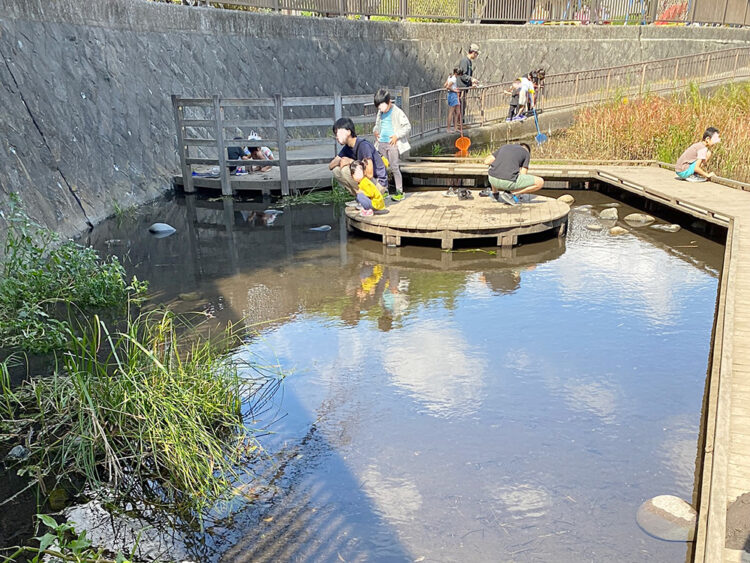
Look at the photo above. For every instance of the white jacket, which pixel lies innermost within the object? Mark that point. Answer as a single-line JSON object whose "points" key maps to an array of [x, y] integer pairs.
{"points": [[401, 127]]}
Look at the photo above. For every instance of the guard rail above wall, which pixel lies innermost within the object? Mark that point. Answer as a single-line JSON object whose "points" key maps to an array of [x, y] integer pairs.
{"points": [[488, 104], [615, 12]]}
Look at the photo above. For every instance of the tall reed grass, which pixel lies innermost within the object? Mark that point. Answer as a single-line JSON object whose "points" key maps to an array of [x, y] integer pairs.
{"points": [[144, 417], [662, 128]]}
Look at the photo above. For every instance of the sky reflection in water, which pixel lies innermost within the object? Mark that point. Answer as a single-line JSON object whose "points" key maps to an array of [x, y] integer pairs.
{"points": [[477, 408]]}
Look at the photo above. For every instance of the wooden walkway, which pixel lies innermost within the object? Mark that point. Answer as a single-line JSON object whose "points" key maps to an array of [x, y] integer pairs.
{"points": [[431, 215], [726, 455]]}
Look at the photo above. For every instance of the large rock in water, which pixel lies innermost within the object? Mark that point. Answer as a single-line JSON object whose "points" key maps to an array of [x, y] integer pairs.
{"points": [[567, 199], [609, 213], [668, 518], [161, 230], [638, 219]]}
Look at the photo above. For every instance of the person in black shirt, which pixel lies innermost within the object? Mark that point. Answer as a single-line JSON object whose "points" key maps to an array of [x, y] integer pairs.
{"points": [[465, 79], [508, 173], [356, 148]]}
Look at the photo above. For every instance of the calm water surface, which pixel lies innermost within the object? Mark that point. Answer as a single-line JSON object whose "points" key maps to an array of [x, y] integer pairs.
{"points": [[451, 407]]}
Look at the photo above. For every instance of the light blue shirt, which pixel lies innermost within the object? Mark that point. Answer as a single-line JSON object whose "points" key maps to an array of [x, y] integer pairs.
{"points": [[386, 126]]}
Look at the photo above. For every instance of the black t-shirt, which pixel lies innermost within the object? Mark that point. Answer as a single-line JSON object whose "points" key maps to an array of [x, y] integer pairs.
{"points": [[364, 149], [509, 159], [234, 153], [467, 69]]}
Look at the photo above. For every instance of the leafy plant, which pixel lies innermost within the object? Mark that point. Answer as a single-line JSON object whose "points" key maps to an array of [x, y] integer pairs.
{"points": [[45, 282], [336, 195]]}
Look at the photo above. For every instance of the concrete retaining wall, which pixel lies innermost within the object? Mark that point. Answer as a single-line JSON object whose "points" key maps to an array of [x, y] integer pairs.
{"points": [[86, 118]]}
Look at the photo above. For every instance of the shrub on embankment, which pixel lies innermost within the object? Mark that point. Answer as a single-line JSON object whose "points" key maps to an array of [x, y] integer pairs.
{"points": [[661, 128]]}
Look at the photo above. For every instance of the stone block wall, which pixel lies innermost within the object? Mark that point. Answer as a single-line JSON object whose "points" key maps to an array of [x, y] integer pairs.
{"points": [[85, 111]]}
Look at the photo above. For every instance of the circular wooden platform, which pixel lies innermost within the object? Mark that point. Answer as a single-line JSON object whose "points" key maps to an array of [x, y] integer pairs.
{"points": [[431, 215]]}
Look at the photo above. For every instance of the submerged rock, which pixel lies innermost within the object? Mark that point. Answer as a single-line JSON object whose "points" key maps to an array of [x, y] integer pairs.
{"points": [[594, 226], [17, 453], [638, 219], [118, 532], [616, 231], [613, 204], [668, 518], [567, 198], [161, 230], [191, 296], [586, 207], [322, 228], [610, 213], [673, 228]]}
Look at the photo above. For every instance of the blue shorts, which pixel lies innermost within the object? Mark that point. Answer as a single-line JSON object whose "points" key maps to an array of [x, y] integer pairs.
{"points": [[452, 99], [690, 170]]}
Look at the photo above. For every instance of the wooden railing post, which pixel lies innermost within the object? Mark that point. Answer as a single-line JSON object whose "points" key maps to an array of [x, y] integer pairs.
{"points": [[575, 92], [342, 9], [736, 60], [403, 9], [609, 76], [182, 149], [226, 185], [724, 16], [676, 72], [338, 111], [481, 107], [277, 6], [653, 11], [405, 100], [708, 66], [281, 136]]}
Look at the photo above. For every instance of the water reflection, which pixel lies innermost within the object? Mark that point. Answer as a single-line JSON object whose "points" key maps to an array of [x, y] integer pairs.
{"points": [[461, 406]]}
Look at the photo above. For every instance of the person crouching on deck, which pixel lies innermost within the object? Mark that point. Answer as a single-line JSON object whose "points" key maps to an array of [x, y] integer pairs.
{"points": [[690, 164], [368, 195]]}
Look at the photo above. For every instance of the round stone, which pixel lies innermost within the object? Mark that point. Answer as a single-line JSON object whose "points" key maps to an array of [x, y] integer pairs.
{"points": [[638, 219], [567, 199], [616, 231], [609, 213], [594, 226], [673, 228], [667, 517], [160, 230]]}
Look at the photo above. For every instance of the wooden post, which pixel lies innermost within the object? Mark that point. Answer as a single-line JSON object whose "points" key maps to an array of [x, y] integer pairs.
{"points": [[744, 18], [708, 66], [281, 136], [481, 107], [403, 9], [182, 149], [676, 72], [529, 9], [691, 15], [653, 11], [609, 76], [724, 16], [338, 111], [405, 100], [575, 92], [342, 10], [643, 79], [276, 6], [226, 185], [594, 12], [736, 59]]}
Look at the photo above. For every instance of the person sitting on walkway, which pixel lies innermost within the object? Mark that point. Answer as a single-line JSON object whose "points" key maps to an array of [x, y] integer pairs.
{"points": [[356, 148], [256, 152], [368, 195], [237, 153], [691, 162], [508, 173], [391, 131]]}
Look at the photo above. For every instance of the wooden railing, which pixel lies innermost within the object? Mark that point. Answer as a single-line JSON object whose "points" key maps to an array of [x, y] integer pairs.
{"points": [[488, 104], [616, 12], [281, 123]]}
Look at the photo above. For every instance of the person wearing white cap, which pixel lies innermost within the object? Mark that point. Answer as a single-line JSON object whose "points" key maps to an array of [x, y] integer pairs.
{"points": [[257, 152], [465, 79]]}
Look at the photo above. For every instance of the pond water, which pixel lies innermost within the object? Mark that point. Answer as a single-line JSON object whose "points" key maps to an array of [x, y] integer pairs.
{"points": [[450, 406]]}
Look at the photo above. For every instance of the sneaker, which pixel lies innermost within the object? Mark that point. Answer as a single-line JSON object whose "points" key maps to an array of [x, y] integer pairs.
{"points": [[519, 118], [509, 198], [241, 171], [366, 212], [398, 196], [696, 178], [465, 193], [451, 193], [486, 192]]}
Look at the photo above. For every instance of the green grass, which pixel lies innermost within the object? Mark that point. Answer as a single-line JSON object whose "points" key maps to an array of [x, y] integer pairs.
{"points": [[336, 195], [46, 283], [142, 416]]}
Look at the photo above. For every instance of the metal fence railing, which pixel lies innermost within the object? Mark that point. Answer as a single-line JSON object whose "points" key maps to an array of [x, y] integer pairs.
{"points": [[488, 104], [614, 12]]}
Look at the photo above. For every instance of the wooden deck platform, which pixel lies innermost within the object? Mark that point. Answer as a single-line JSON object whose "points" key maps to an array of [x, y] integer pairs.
{"points": [[726, 452], [431, 215]]}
